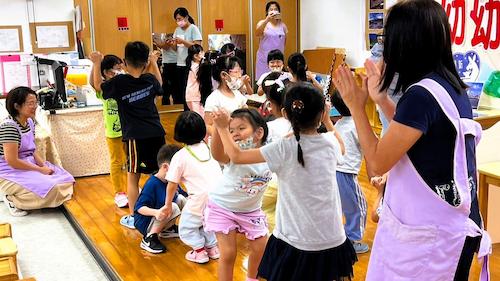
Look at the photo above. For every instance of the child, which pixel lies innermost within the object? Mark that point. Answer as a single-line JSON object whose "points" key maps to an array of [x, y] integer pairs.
{"points": [[275, 62], [194, 167], [308, 241], [150, 216], [108, 67], [143, 133], [274, 88], [228, 73], [352, 198], [234, 205], [230, 50], [298, 68], [199, 84]]}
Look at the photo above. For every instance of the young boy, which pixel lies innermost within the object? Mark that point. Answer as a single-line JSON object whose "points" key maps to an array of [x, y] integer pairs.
{"points": [[275, 62], [352, 198], [150, 217], [110, 66], [142, 131]]}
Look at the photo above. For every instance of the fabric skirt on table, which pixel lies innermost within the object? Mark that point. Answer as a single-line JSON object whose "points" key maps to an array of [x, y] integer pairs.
{"points": [[282, 261]]}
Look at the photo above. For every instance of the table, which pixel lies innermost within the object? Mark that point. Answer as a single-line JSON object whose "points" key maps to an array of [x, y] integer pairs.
{"points": [[78, 135], [488, 174], [487, 117]]}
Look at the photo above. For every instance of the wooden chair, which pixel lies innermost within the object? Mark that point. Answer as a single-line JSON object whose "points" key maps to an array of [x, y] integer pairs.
{"points": [[8, 269], [5, 230]]}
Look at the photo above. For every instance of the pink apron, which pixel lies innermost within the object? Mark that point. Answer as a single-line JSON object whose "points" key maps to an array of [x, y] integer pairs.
{"points": [[33, 181], [274, 38], [420, 236]]}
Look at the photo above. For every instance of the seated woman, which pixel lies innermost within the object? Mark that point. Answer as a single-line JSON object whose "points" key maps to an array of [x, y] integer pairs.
{"points": [[26, 180]]}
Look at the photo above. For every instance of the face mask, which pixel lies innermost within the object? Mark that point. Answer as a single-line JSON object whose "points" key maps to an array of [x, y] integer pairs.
{"points": [[246, 143], [234, 83], [277, 69], [118, 72], [181, 23]]}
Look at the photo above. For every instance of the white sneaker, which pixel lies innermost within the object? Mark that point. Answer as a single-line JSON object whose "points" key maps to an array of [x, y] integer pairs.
{"points": [[121, 199], [15, 212]]}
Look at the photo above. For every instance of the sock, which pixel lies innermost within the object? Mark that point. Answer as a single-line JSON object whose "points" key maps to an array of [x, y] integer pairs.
{"points": [[199, 250], [251, 279]]}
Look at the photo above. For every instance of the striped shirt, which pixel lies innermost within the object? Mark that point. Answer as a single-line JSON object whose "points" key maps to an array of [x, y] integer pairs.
{"points": [[10, 134]]}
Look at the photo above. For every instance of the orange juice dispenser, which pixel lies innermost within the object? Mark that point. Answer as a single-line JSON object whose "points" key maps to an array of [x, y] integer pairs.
{"points": [[77, 77]]}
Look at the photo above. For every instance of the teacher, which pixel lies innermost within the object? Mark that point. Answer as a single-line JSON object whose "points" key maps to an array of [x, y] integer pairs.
{"points": [[272, 33], [430, 226], [186, 35], [26, 181]]}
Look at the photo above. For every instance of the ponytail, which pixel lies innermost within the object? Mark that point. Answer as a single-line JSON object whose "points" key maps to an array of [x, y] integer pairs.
{"points": [[190, 19], [297, 107], [298, 66]]}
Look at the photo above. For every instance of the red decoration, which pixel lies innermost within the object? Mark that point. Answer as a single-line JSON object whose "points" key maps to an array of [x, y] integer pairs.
{"points": [[219, 25], [122, 23]]}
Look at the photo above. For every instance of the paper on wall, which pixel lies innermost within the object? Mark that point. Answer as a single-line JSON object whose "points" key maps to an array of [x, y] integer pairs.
{"points": [[9, 40], [56, 36]]}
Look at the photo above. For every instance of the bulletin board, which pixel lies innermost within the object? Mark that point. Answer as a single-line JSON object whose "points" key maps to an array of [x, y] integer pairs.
{"points": [[11, 39], [52, 37], [375, 19]]}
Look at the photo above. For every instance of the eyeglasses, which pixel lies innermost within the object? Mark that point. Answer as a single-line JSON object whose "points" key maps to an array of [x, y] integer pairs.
{"points": [[31, 103]]}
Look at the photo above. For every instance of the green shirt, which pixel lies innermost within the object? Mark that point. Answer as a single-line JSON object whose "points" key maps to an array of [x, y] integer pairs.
{"points": [[111, 118]]}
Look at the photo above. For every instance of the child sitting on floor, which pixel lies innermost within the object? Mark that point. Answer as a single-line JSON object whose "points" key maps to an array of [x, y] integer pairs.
{"points": [[150, 217]]}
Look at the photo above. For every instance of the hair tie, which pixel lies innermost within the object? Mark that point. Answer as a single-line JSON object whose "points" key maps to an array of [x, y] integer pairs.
{"points": [[297, 106], [278, 82]]}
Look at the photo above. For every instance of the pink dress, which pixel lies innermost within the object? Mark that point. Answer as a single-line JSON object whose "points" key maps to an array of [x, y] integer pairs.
{"points": [[193, 96]]}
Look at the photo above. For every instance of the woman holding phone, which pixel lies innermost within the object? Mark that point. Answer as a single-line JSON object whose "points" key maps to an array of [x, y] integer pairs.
{"points": [[272, 33]]}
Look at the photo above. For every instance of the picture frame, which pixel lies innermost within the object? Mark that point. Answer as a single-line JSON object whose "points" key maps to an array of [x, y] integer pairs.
{"points": [[376, 4]]}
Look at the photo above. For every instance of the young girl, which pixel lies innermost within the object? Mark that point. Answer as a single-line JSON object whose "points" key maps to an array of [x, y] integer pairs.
{"points": [[234, 205], [308, 241], [298, 68], [227, 96], [274, 89], [199, 84], [194, 167]]}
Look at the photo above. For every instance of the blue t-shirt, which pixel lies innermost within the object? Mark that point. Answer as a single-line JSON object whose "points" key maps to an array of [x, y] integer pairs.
{"points": [[153, 196], [432, 154]]}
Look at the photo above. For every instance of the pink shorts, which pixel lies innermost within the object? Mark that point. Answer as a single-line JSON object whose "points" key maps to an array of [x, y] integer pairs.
{"points": [[218, 219]]}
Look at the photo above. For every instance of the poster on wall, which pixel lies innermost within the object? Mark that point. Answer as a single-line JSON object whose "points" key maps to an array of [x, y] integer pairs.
{"points": [[375, 20], [475, 34]]}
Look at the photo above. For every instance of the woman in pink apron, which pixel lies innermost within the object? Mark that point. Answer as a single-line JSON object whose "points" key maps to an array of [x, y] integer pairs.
{"points": [[26, 181], [272, 33], [430, 226]]}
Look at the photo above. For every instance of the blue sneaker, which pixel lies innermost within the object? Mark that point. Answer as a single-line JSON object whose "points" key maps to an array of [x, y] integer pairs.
{"points": [[360, 247], [128, 221]]}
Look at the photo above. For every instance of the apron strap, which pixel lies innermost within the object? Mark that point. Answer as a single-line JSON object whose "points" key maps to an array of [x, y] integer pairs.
{"points": [[471, 127], [485, 248]]}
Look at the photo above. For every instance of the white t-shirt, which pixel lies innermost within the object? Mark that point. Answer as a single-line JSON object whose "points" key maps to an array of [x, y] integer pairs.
{"points": [[241, 187], [353, 156], [308, 210], [278, 128], [218, 100], [198, 177]]}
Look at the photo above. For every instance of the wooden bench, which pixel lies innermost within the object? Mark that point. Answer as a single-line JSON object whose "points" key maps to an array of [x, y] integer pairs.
{"points": [[8, 248], [8, 269], [5, 230]]}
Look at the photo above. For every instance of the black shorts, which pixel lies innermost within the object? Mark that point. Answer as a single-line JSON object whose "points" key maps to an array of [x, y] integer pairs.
{"points": [[141, 155]]}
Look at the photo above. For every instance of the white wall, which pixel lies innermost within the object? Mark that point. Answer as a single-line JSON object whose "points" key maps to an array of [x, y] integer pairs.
{"points": [[20, 12], [335, 23]]}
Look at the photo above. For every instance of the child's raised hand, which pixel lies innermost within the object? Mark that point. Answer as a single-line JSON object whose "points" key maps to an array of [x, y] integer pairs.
{"points": [[326, 113], [246, 79], [354, 96], [96, 57], [221, 118]]}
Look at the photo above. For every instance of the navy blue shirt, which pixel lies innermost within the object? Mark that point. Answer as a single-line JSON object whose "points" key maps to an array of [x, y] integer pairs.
{"points": [[432, 154], [153, 196], [136, 104]]}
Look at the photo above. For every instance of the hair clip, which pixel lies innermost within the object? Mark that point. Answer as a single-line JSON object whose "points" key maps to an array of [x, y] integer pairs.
{"points": [[297, 106]]}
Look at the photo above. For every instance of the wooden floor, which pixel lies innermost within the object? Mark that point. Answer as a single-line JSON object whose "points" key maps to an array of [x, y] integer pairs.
{"points": [[94, 209]]}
